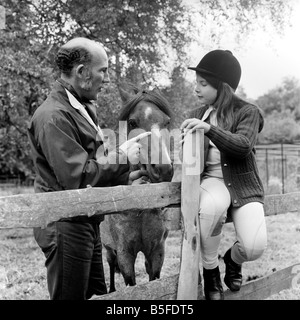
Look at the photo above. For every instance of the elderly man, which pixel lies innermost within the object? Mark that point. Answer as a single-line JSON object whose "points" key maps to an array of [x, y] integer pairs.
{"points": [[64, 136]]}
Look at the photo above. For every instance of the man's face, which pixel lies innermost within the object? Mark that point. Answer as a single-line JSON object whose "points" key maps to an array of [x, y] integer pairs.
{"points": [[98, 75]]}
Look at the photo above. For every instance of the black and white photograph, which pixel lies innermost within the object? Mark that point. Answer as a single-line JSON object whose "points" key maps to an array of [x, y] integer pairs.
{"points": [[150, 152]]}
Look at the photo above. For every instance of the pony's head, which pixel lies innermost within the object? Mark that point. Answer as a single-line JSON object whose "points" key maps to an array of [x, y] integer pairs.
{"points": [[149, 111]]}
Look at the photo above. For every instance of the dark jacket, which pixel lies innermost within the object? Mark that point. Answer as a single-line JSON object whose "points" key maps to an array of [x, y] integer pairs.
{"points": [[64, 146], [237, 151]]}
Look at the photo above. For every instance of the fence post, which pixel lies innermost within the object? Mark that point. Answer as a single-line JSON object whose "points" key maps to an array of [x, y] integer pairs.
{"points": [[267, 169], [282, 169], [192, 166]]}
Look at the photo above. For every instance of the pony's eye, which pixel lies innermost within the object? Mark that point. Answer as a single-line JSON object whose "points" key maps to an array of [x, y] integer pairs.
{"points": [[132, 123]]}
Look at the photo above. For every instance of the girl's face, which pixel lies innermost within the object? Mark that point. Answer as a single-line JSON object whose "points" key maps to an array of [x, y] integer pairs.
{"points": [[206, 93]]}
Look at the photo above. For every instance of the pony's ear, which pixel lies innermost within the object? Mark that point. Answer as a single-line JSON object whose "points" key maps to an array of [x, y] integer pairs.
{"points": [[127, 91], [125, 95], [156, 90]]}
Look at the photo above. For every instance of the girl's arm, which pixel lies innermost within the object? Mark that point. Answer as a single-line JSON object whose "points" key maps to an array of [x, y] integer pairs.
{"points": [[240, 143]]}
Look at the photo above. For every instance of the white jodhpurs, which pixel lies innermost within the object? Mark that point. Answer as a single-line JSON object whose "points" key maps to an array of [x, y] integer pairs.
{"points": [[249, 222], [251, 232]]}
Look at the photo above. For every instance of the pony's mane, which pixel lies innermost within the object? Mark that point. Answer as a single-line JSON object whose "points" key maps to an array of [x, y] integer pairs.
{"points": [[149, 96]]}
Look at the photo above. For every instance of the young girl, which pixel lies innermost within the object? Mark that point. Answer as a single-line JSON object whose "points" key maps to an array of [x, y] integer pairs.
{"points": [[230, 181]]}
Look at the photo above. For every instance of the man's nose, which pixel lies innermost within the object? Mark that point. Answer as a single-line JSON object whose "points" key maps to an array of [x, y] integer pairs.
{"points": [[106, 78]]}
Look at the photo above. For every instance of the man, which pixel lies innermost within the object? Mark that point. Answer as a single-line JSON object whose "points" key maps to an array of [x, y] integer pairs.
{"points": [[64, 136]]}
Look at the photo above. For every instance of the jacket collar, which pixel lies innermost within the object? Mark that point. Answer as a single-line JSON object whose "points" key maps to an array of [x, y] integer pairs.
{"points": [[207, 112], [84, 108], [70, 88]]}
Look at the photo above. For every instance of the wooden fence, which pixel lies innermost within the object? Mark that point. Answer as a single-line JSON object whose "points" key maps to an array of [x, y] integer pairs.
{"points": [[180, 200]]}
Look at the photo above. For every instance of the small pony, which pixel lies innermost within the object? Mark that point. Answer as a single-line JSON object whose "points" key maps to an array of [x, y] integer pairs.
{"points": [[125, 234]]}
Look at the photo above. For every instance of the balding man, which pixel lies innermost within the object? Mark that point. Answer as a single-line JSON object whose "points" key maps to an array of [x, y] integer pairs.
{"points": [[64, 136]]}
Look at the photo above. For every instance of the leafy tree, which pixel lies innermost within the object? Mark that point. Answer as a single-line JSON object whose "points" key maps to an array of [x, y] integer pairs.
{"points": [[238, 19], [147, 41], [280, 127], [285, 97], [35, 29], [23, 86], [282, 113], [181, 95]]}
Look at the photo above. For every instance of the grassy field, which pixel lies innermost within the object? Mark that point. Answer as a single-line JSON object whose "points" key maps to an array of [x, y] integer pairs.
{"points": [[23, 274]]}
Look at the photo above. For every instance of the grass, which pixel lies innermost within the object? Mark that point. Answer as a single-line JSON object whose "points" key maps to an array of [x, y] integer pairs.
{"points": [[282, 251], [23, 273]]}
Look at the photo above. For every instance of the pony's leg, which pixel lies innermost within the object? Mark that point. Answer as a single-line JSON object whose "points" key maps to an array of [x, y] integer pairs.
{"points": [[154, 237], [155, 258], [111, 258], [126, 263], [154, 262]]}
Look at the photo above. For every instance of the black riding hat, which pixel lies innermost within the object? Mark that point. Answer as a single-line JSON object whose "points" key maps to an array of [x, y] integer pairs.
{"points": [[220, 65]]}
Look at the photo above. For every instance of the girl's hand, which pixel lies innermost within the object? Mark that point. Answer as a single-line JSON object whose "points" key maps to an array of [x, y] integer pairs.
{"points": [[191, 125]]}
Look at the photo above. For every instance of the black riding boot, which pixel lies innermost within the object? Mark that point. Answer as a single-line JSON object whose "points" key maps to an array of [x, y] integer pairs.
{"points": [[233, 273], [213, 289]]}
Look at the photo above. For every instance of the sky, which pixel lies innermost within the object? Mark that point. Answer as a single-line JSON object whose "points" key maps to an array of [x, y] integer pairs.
{"points": [[265, 66]]}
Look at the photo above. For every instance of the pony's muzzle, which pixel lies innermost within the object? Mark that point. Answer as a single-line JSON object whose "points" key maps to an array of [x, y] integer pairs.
{"points": [[160, 172]]}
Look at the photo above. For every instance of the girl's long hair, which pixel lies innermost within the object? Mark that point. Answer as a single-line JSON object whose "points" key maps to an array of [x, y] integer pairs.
{"points": [[226, 104]]}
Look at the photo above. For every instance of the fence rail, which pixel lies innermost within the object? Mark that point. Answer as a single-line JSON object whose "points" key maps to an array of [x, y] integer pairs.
{"points": [[33, 210]]}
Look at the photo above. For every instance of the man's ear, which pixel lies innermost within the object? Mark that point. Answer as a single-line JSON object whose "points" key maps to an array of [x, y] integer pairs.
{"points": [[82, 72]]}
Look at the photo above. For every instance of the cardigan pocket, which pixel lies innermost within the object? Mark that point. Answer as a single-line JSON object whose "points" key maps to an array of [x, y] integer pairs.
{"points": [[247, 185]]}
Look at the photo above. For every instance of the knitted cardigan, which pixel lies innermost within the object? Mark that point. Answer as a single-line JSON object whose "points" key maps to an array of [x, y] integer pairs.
{"points": [[237, 152]]}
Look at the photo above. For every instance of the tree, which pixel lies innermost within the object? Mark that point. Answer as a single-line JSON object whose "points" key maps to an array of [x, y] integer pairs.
{"points": [[147, 42], [281, 106], [35, 29], [136, 33], [280, 127], [23, 86], [283, 98], [181, 95], [237, 19]]}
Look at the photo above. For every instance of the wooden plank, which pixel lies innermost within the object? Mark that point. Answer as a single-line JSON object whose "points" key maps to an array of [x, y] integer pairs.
{"points": [[192, 167], [274, 204], [263, 288], [32, 210], [282, 203], [160, 289], [166, 288]]}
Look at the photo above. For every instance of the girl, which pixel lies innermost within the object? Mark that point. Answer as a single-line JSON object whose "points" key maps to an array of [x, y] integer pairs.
{"points": [[230, 180]]}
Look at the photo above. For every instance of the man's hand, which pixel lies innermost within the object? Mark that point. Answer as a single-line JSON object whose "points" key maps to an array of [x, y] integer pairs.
{"points": [[138, 177], [132, 147]]}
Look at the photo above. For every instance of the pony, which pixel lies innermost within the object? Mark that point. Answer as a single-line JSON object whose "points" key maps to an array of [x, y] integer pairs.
{"points": [[126, 234]]}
